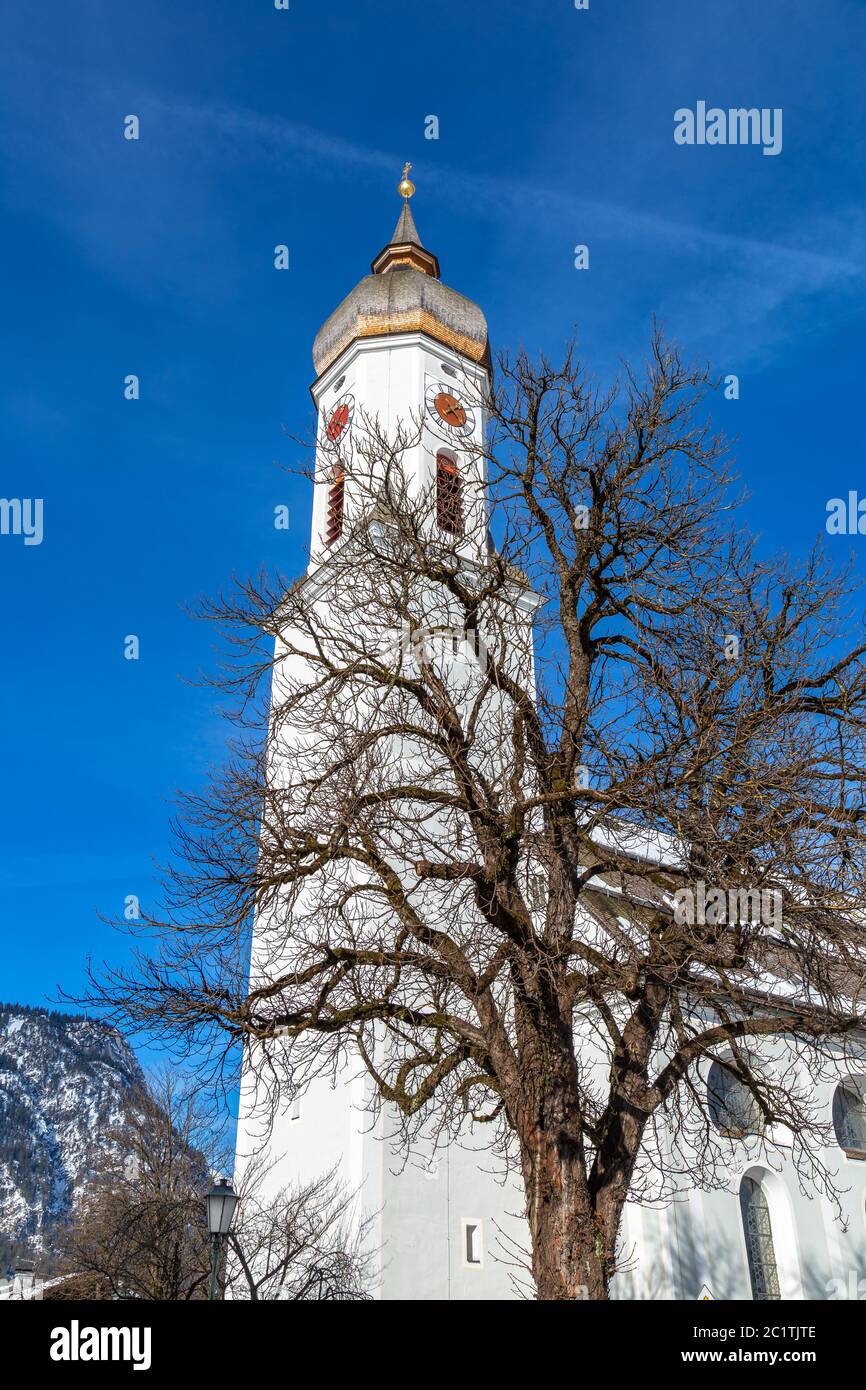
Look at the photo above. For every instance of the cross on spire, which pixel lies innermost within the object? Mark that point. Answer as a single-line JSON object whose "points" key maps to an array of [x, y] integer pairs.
{"points": [[406, 246]]}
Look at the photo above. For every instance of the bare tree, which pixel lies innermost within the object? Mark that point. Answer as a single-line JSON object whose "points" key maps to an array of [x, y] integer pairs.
{"points": [[493, 868], [140, 1230], [306, 1241]]}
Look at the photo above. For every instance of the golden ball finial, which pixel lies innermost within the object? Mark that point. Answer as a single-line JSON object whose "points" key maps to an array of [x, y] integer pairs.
{"points": [[406, 187]]}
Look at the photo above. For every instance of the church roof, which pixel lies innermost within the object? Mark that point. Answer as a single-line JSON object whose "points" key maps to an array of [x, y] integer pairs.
{"points": [[403, 295]]}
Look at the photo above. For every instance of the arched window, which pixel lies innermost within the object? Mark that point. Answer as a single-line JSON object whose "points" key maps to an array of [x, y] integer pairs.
{"points": [[334, 520], [449, 494], [760, 1250], [733, 1109], [849, 1117]]}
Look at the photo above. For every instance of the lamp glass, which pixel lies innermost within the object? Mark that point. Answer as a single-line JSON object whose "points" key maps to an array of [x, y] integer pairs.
{"points": [[221, 1203]]}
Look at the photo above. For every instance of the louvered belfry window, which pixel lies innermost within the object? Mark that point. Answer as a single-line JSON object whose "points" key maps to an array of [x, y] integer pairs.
{"points": [[336, 491], [449, 496]]}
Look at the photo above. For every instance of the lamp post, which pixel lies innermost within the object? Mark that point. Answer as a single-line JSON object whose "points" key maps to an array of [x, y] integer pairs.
{"points": [[221, 1202]]}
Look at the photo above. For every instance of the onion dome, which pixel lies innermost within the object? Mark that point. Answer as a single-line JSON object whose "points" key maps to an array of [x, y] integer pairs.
{"points": [[403, 295]]}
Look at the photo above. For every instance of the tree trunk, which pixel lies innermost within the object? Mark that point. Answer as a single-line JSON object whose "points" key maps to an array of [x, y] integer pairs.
{"points": [[572, 1256], [573, 1237]]}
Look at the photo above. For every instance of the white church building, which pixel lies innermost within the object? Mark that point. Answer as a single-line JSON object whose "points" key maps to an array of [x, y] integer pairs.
{"points": [[401, 344]]}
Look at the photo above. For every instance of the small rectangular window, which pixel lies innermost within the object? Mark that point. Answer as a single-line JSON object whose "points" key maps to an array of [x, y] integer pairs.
{"points": [[472, 1242]]}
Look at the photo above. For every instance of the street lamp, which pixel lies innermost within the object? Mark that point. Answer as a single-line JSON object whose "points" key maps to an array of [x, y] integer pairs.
{"points": [[221, 1202], [24, 1278]]}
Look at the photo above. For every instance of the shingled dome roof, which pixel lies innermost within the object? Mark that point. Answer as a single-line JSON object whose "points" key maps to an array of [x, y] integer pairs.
{"points": [[403, 295]]}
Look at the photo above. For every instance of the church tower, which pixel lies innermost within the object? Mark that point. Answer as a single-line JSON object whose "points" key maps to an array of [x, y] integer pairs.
{"points": [[401, 349]]}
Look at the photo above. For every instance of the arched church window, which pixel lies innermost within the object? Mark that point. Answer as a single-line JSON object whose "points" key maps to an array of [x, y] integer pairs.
{"points": [[849, 1117], [336, 491], [760, 1250], [449, 494], [733, 1109]]}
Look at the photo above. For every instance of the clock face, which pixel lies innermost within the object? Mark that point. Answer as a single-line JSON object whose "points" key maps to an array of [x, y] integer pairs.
{"points": [[450, 415], [339, 418]]}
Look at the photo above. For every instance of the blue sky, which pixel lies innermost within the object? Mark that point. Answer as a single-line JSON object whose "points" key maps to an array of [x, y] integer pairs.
{"points": [[155, 257]]}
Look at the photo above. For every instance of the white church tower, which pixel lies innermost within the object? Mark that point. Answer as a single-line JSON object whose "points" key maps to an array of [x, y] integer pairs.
{"points": [[399, 347], [402, 346]]}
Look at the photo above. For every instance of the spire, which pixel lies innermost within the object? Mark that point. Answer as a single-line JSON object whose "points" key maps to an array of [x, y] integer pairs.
{"points": [[405, 230], [406, 247]]}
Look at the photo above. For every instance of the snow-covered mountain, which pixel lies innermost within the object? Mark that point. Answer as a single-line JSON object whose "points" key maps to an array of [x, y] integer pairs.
{"points": [[63, 1080]]}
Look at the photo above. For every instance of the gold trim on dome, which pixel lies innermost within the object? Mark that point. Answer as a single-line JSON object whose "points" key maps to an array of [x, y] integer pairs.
{"points": [[415, 321]]}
